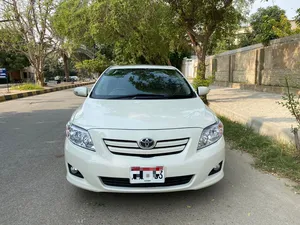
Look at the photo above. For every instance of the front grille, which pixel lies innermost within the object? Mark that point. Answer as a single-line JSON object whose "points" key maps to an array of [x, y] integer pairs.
{"points": [[131, 148], [124, 182]]}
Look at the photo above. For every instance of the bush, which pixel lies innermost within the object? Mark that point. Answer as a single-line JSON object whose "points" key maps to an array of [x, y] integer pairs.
{"points": [[198, 81], [291, 101], [27, 86]]}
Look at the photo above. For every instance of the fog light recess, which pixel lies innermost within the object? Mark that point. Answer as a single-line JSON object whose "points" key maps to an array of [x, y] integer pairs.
{"points": [[216, 169], [74, 171]]}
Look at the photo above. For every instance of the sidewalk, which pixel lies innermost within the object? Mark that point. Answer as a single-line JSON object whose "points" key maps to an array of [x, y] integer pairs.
{"points": [[15, 94], [3, 87], [257, 109]]}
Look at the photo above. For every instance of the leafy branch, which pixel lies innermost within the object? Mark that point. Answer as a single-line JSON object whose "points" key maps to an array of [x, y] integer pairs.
{"points": [[291, 101]]}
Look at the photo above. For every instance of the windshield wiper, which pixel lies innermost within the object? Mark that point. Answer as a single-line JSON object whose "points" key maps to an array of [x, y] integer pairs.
{"points": [[140, 96], [179, 96]]}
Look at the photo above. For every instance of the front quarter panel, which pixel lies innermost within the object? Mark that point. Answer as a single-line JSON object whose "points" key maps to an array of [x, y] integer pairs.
{"points": [[75, 113]]}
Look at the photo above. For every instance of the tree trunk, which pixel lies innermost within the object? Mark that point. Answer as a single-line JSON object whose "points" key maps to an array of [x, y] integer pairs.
{"points": [[201, 69], [169, 62], [201, 55], [200, 50], [40, 78], [39, 71], [296, 136], [66, 67]]}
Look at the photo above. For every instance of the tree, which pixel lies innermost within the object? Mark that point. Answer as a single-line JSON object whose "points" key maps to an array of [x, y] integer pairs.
{"points": [[218, 46], [201, 19], [269, 23], [246, 39], [71, 22], [97, 65], [28, 31], [53, 67], [147, 31], [283, 28], [176, 57], [139, 31], [297, 17], [13, 61], [70, 27]]}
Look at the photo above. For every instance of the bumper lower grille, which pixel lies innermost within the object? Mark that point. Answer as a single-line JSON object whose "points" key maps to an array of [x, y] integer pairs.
{"points": [[131, 148], [124, 182]]}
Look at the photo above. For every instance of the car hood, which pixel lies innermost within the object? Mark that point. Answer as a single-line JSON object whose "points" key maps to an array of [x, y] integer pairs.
{"points": [[143, 114]]}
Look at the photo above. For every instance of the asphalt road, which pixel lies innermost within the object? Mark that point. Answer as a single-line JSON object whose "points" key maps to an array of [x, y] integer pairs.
{"points": [[33, 188]]}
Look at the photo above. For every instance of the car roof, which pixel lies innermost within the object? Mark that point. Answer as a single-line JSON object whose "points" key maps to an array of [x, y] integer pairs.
{"points": [[143, 67]]}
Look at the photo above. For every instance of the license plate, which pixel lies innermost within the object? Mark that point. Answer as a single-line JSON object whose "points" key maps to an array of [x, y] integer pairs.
{"points": [[140, 175]]}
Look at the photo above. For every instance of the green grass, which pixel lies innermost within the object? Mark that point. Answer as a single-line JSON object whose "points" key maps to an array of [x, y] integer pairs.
{"points": [[26, 87], [297, 188], [270, 155]]}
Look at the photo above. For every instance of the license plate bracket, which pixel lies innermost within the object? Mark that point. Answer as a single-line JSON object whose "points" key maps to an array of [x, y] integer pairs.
{"points": [[140, 175]]}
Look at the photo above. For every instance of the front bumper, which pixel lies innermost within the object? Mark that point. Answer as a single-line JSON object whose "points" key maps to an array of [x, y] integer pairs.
{"points": [[93, 165]]}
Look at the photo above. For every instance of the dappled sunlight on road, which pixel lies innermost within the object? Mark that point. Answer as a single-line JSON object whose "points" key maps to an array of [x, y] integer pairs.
{"points": [[61, 99]]}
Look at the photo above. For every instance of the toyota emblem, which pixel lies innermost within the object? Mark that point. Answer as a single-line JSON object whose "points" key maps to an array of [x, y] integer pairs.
{"points": [[147, 143]]}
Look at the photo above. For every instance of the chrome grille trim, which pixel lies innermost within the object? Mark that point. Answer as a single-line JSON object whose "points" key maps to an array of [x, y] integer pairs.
{"points": [[121, 144], [160, 144], [147, 152], [129, 147]]}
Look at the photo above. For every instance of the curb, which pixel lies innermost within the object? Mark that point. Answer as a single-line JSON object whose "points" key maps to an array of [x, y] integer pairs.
{"points": [[256, 87], [39, 92], [258, 126]]}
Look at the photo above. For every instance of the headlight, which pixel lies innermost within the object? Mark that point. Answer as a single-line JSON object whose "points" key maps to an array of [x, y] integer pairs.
{"points": [[210, 135], [79, 136]]}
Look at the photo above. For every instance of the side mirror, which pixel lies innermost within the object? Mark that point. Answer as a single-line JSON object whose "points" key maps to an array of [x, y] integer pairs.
{"points": [[81, 91], [203, 90]]}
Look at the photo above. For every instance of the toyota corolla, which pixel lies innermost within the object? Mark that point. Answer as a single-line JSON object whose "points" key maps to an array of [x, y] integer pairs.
{"points": [[143, 129]]}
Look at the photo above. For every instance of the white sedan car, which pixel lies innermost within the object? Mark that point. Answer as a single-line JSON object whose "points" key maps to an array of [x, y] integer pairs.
{"points": [[143, 129]]}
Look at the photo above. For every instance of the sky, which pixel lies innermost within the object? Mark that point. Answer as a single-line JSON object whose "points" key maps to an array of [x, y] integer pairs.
{"points": [[290, 6]]}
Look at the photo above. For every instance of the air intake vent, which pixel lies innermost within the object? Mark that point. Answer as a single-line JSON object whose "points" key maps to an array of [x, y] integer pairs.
{"points": [[124, 182]]}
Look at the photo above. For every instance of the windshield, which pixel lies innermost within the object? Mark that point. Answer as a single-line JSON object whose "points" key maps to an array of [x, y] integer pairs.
{"points": [[142, 84]]}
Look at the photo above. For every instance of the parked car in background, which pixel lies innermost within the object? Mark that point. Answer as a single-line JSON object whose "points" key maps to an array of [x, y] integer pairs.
{"points": [[57, 79], [143, 129], [72, 78]]}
